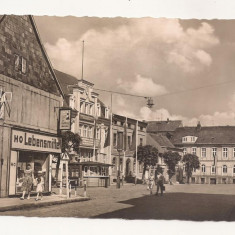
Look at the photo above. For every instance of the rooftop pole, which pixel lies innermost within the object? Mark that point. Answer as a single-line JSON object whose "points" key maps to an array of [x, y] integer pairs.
{"points": [[82, 56]]}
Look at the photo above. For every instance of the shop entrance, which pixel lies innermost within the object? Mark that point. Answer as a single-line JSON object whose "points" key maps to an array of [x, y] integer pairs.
{"points": [[39, 163]]}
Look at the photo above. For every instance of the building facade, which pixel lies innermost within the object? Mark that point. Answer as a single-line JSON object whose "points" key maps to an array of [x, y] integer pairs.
{"points": [[133, 136], [92, 124], [215, 147], [30, 96]]}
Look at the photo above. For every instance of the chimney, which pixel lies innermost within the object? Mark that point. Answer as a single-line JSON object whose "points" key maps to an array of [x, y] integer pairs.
{"points": [[198, 128]]}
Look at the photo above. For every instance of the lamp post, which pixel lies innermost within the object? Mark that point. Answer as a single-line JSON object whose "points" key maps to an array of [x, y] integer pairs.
{"points": [[119, 149]]}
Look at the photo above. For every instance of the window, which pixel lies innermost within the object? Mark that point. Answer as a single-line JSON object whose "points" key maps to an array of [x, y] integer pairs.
{"points": [[114, 139], [233, 152], [129, 141], [91, 109], [194, 151], [82, 107], [192, 138], [213, 169], [214, 151], [97, 133], [85, 131], [225, 152], [98, 110], [184, 151], [184, 139], [141, 141], [234, 169], [106, 113], [225, 169], [203, 152], [80, 131], [87, 108], [89, 132], [203, 168]]}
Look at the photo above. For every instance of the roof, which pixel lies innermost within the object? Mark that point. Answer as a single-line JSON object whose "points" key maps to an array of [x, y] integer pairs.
{"points": [[162, 140], [151, 141], [44, 53], [65, 80], [206, 135], [163, 126]]}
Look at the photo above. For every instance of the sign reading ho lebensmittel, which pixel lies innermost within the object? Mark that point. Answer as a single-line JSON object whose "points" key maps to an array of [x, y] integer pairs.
{"points": [[35, 142], [65, 119]]}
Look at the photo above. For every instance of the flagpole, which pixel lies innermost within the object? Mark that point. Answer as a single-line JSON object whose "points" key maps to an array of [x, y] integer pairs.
{"points": [[111, 127], [136, 148], [94, 135], [124, 154]]}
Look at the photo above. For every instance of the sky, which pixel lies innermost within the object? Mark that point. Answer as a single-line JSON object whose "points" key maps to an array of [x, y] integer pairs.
{"points": [[152, 57]]}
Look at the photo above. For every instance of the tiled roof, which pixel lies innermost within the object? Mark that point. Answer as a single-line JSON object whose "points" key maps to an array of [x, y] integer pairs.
{"points": [[162, 140], [163, 126], [151, 141], [206, 135], [65, 80]]}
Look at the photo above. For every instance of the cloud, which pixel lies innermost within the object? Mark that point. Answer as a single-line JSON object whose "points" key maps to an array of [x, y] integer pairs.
{"points": [[142, 86]]}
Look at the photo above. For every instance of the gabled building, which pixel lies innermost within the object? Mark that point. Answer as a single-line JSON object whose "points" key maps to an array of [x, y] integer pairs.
{"points": [[92, 124], [30, 97], [215, 147]]}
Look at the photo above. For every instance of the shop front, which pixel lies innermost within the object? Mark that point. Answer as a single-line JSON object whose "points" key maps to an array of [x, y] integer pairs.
{"points": [[94, 173], [36, 150]]}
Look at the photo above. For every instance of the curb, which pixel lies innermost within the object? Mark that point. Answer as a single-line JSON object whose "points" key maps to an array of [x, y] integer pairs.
{"points": [[42, 204]]}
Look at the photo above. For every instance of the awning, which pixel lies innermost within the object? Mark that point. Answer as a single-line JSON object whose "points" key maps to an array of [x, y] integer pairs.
{"points": [[89, 163]]}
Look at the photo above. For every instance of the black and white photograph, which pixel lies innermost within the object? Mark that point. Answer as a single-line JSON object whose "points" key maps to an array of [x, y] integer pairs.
{"points": [[117, 117]]}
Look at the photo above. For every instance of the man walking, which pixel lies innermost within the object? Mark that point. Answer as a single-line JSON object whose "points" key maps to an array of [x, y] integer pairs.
{"points": [[160, 184]]}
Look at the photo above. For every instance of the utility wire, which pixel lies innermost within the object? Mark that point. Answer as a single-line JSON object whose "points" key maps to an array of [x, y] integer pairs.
{"points": [[170, 93]]}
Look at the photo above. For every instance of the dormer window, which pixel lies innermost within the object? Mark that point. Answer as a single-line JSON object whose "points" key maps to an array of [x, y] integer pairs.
{"points": [[189, 139]]}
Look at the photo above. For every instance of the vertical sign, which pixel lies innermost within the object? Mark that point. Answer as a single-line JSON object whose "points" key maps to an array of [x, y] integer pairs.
{"points": [[65, 119]]}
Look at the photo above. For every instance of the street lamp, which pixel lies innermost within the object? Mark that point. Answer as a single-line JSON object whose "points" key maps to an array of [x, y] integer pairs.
{"points": [[119, 149]]}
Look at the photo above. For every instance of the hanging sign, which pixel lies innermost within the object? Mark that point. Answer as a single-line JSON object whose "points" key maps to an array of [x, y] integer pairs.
{"points": [[65, 119]]}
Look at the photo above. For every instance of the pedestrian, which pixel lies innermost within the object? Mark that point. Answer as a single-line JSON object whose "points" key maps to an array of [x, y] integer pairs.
{"points": [[40, 187], [27, 182], [160, 184], [151, 183]]}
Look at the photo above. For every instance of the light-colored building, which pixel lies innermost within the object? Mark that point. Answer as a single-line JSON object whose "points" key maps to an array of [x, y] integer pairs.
{"points": [[215, 147], [92, 124], [127, 160], [28, 121]]}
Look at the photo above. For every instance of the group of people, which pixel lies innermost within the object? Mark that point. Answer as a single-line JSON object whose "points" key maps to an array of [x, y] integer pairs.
{"points": [[158, 180], [28, 183]]}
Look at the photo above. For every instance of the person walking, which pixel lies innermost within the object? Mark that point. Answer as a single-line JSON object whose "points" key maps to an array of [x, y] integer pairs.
{"points": [[151, 183], [27, 182], [160, 184]]}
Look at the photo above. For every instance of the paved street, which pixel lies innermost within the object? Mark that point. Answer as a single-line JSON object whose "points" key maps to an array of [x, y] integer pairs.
{"points": [[184, 202]]}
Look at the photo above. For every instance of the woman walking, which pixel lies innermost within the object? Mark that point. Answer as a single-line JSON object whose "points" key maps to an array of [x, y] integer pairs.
{"points": [[27, 182]]}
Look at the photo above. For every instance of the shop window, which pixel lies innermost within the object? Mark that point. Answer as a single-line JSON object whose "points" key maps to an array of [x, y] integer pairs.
{"points": [[193, 180]]}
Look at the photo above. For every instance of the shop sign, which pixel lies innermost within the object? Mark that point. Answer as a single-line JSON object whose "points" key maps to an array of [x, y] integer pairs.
{"points": [[65, 119], [36, 142]]}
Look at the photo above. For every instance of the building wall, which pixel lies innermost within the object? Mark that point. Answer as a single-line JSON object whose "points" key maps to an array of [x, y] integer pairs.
{"points": [[208, 161]]}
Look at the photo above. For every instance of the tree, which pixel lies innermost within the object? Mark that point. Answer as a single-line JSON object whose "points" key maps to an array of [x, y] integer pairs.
{"points": [[70, 142], [171, 159], [148, 155], [191, 162]]}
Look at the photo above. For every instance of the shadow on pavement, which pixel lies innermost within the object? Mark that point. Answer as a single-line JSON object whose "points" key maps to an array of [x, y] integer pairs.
{"points": [[178, 206]]}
